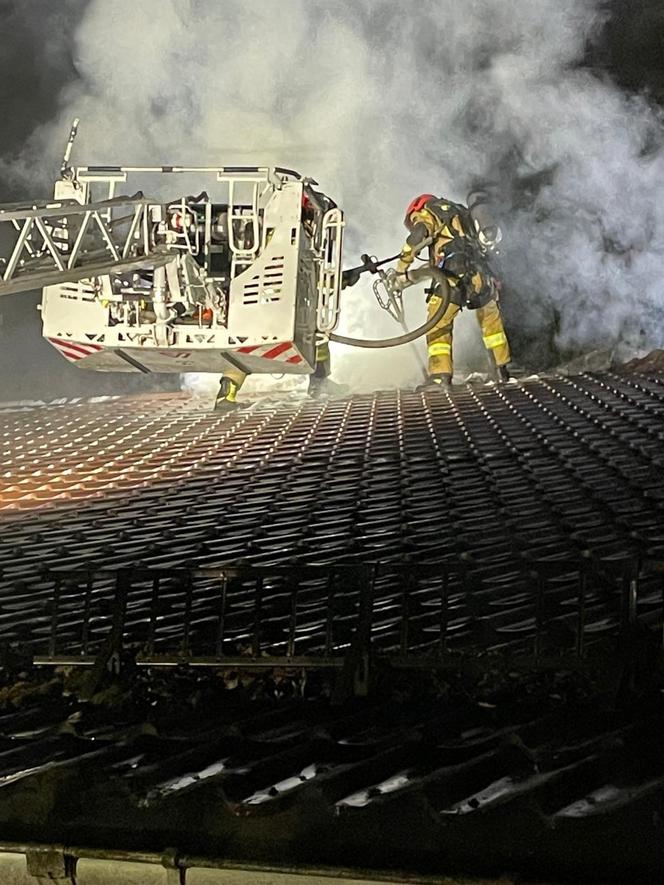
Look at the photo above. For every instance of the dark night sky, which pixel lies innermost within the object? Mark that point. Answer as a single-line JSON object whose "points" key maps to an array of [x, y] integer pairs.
{"points": [[33, 72], [36, 65], [632, 48]]}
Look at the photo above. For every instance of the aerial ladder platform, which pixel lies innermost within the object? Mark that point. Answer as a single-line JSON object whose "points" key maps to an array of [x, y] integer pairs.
{"points": [[244, 274], [240, 268]]}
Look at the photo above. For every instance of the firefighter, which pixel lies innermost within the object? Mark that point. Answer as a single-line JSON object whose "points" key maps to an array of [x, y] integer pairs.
{"points": [[458, 246], [229, 385], [319, 383]]}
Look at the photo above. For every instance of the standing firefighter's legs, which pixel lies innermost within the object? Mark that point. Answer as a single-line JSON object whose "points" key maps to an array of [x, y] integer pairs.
{"points": [[319, 380], [494, 337], [321, 372], [439, 342], [229, 385]]}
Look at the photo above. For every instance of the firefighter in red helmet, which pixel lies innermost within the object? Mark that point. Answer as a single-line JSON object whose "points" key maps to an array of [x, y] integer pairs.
{"points": [[459, 244]]}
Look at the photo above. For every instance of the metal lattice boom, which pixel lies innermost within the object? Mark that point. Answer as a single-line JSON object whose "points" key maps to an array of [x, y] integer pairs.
{"points": [[64, 241]]}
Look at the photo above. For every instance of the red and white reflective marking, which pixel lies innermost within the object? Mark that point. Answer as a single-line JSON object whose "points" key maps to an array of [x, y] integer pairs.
{"points": [[282, 353], [74, 350]]}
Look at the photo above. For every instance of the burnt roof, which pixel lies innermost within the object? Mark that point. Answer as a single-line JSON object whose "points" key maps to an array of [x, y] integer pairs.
{"points": [[433, 772]]}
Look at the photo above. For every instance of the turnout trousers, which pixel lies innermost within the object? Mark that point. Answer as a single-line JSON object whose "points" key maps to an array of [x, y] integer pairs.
{"points": [[237, 376], [439, 339]]}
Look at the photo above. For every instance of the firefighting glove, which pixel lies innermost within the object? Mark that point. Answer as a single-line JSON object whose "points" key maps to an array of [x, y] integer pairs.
{"points": [[395, 281]]}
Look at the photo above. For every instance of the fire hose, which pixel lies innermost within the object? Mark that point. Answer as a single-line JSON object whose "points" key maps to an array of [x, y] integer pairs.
{"points": [[414, 276]]}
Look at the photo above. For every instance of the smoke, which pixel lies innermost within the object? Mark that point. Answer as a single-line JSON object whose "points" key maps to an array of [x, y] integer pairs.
{"points": [[379, 101], [36, 65]]}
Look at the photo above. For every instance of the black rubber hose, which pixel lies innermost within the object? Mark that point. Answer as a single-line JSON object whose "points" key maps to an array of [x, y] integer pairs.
{"points": [[442, 285]]}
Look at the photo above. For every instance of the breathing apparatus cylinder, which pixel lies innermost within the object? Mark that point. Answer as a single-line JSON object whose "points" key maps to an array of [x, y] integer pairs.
{"points": [[486, 227]]}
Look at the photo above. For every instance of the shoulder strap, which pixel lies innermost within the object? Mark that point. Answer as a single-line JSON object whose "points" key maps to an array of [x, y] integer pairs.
{"points": [[444, 210]]}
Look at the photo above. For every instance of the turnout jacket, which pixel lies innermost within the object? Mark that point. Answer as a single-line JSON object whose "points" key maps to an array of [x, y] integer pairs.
{"points": [[447, 229]]}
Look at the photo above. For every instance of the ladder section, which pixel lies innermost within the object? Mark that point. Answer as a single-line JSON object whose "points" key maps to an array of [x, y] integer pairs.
{"points": [[244, 237], [64, 241], [329, 279]]}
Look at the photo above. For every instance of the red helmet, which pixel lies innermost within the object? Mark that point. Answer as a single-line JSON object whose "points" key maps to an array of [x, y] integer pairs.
{"points": [[416, 205]]}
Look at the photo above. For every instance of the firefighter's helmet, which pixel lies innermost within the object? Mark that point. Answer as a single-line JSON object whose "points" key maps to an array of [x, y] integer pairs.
{"points": [[416, 205]]}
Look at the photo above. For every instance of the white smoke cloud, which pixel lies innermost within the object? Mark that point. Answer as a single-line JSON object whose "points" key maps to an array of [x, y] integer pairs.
{"points": [[379, 101]]}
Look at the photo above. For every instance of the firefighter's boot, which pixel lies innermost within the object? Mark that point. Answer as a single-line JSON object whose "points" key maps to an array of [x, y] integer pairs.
{"points": [[438, 381], [318, 377], [323, 387], [227, 396], [442, 381], [503, 373], [319, 381]]}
